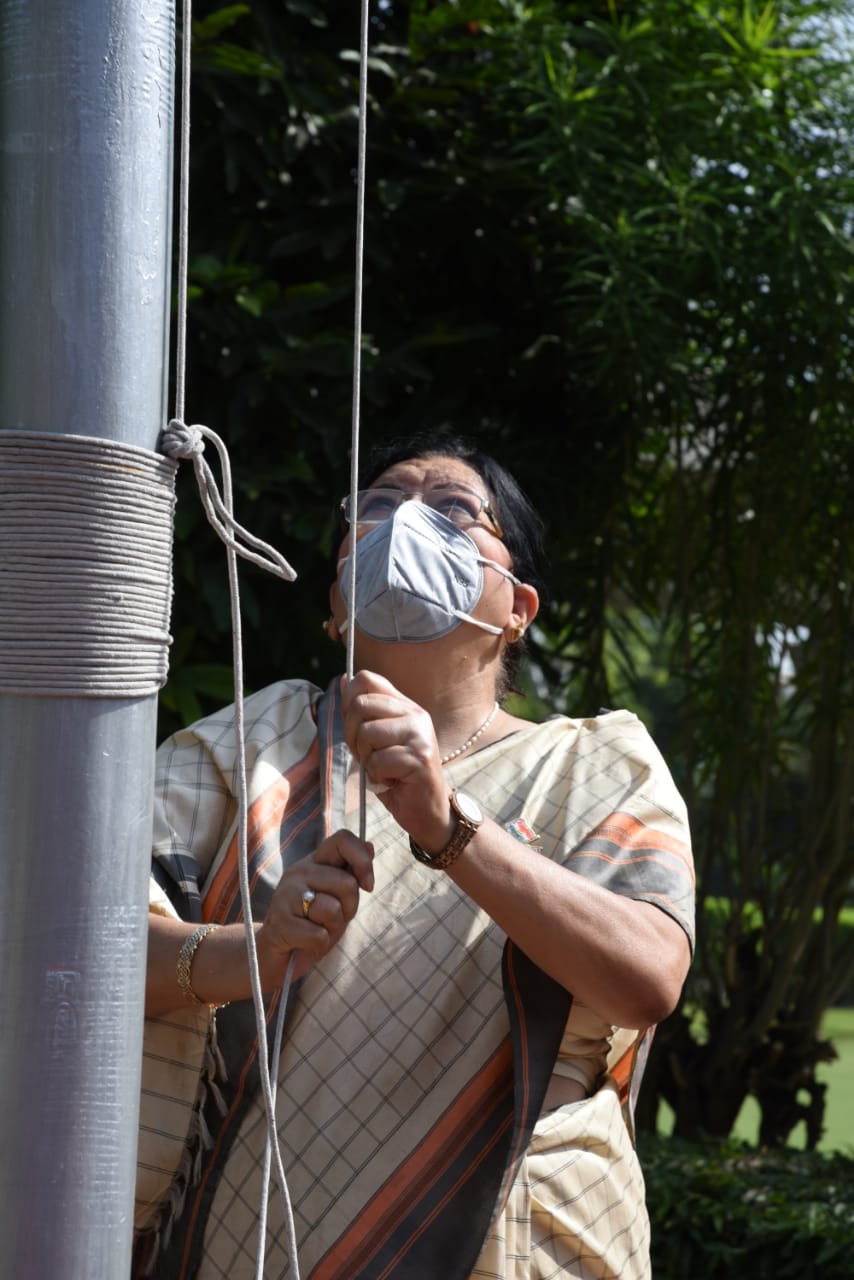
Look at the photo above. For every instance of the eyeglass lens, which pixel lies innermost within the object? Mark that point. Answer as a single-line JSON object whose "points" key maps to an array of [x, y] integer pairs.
{"points": [[461, 506]]}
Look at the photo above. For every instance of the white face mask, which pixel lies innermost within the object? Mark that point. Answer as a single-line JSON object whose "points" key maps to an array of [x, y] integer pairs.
{"points": [[417, 577]]}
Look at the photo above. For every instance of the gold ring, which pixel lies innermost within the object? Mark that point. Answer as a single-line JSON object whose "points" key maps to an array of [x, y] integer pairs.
{"points": [[307, 899]]}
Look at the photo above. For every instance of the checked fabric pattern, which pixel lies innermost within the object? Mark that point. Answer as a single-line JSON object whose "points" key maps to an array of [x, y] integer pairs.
{"points": [[576, 1207], [399, 1043]]}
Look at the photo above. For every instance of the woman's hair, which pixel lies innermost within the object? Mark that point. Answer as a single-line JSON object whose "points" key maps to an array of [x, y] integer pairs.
{"points": [[521, 526]]}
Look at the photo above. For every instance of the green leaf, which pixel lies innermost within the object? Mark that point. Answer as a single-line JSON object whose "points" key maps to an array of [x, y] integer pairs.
{"points": [[212, 26]]}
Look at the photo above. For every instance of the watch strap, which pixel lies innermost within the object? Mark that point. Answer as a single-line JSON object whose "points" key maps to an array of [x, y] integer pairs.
{"points": [[463, 833]]}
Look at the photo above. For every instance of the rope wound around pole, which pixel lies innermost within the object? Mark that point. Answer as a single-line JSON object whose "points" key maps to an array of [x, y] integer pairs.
{"points": [[85, 566]]}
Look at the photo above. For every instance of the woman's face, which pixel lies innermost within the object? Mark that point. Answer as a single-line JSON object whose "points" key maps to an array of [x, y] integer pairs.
{"points": [[431, 475]]}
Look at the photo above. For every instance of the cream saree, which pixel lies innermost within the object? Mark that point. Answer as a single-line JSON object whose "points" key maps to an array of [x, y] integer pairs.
{"points": [[418, 1053]]}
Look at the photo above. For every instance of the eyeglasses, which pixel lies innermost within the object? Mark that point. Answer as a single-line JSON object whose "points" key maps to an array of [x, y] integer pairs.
{"points": [[462, 506]]}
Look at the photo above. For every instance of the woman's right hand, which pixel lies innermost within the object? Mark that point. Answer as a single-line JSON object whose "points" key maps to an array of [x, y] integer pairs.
{"points": [[335, 873]]}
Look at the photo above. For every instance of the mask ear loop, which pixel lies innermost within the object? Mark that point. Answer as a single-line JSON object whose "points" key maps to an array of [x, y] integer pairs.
{"points": [[499, 568], [477, 622]]}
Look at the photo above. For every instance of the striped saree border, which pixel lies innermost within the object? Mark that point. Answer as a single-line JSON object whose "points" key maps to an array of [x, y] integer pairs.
{"points": [[420, 1216], [433, 1215]]}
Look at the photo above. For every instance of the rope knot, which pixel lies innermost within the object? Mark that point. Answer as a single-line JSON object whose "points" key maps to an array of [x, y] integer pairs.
{"points": [[177, 440]]}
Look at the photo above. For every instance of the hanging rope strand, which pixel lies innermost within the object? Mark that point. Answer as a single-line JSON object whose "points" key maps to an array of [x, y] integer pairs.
{"points": [[357, 365], [354, 480], [183, 212], [357, 320], [182, 441]]}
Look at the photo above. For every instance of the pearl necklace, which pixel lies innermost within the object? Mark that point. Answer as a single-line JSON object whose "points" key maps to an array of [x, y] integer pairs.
{"points": [[452, 755]]}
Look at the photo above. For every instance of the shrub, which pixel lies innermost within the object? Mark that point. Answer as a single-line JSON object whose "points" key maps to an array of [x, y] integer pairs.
{"points": [[725, 1209]]}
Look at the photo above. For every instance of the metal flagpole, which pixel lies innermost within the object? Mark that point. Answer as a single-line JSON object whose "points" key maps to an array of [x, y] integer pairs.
{"points": [[86, 110]]}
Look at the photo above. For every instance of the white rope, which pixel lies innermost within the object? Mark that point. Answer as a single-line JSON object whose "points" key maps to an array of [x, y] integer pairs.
{"points": [[182, 441], [187, 441], [274, 1075], [357, 367], [357, 321], [183, 211], [85, 566], [354, 473]]}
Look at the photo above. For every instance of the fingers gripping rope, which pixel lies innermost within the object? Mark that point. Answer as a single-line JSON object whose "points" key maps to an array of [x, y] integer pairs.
{"points": [[181, 441]]}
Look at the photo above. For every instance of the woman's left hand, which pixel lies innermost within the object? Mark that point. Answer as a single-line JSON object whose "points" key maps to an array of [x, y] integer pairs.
{"points": [[393, 739]]}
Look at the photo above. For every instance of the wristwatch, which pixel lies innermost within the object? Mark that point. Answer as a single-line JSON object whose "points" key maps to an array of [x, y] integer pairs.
{"points": [[469, 817]]}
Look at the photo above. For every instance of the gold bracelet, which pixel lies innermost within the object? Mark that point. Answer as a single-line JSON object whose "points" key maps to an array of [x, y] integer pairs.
{"points": [[185, 961]]}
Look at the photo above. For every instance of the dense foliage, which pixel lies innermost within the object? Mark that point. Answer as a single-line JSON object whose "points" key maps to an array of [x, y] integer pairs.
{"points": [[723, 1210], [614, 244]]}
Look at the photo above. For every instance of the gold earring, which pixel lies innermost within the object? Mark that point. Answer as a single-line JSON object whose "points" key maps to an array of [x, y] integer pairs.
{"points": [[517, 633]]}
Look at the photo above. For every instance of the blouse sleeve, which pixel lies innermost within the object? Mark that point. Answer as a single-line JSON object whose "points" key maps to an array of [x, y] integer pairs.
{"points": [[637, 841], [597, 796]]}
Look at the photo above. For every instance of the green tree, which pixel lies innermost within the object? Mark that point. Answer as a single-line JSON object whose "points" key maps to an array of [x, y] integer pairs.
{"points": [[615, 244], [700, 155]]}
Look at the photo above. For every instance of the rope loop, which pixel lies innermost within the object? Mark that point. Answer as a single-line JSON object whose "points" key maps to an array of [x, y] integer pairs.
{"points": [[178, 440]]}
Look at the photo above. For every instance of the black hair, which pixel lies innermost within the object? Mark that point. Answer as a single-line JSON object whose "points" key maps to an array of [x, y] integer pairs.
{"points": [[521, 526]]}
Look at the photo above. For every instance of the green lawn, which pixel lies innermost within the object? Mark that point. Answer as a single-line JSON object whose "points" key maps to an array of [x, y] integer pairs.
{"points": [[837, 1026]]}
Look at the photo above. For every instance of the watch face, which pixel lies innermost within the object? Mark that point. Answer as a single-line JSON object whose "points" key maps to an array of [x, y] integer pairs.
{"points": [[468, 808]]}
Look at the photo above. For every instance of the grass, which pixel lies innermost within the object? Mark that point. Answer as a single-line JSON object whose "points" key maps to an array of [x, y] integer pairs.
{"points": [[838, 1027]]}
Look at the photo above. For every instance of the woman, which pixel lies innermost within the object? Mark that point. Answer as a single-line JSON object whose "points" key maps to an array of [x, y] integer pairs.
{"points": [[475, 979]]}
